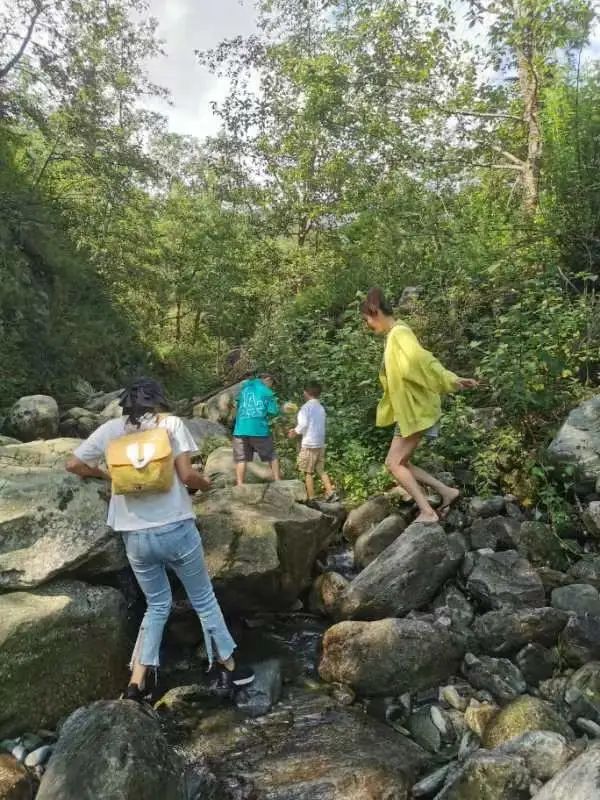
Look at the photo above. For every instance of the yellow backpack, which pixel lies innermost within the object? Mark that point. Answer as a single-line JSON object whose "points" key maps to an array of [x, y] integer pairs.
{"points": [[141, 462]]}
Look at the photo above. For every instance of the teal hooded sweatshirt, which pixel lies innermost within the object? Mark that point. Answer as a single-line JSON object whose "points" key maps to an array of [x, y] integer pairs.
{"points": [[255, 404]]}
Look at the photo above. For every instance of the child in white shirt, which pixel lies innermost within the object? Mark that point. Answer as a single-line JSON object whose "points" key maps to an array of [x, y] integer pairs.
{"points": [[311, 425]]}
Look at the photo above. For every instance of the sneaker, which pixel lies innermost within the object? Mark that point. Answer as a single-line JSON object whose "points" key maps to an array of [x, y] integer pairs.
{"points": [[224, 681], [133, 692], [242, 676]]}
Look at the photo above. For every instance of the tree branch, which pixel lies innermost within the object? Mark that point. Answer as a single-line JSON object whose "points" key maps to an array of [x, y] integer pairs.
{"points": [[27, 38]]}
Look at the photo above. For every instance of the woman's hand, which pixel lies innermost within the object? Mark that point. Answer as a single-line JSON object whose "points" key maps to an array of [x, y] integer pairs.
{"points": [[467, 383]]}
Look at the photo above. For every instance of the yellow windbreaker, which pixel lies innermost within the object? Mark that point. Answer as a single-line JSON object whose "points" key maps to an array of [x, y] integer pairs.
{"points": [[413, 381]]}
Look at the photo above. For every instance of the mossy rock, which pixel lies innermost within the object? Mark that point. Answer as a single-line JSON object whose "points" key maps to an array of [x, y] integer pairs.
{"points": [[524, 714]]}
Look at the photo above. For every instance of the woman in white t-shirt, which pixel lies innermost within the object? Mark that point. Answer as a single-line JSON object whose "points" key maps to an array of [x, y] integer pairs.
{"points": [[159, 531]]}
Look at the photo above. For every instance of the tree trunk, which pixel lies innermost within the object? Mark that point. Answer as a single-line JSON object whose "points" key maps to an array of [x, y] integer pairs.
{"points": [[532, 164]]}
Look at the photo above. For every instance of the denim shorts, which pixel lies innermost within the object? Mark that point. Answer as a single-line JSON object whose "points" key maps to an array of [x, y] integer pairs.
{"points": [[431, 433]]}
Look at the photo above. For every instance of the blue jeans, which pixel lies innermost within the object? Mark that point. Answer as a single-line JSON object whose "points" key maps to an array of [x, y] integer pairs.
{"points": [[179, 547]]}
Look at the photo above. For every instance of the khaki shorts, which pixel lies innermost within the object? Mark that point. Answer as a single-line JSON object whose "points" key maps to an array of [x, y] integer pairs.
{"points": [[311, 460]]}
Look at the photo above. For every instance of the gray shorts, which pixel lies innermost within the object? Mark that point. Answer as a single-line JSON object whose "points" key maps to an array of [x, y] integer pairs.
{"points": [[244, 448]]}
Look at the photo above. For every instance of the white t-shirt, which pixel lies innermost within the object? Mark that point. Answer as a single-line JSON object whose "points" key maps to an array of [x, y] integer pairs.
{"points": [[152, 510], [311, 424]]}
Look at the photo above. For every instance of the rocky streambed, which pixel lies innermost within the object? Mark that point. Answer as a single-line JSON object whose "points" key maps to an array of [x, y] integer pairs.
{"points": [[393, 660]]}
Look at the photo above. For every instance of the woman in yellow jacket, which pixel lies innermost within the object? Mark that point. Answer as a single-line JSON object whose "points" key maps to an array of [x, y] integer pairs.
{"points": [[413, 381]]}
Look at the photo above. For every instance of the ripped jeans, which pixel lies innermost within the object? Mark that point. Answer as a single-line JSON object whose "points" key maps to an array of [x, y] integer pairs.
{"points": [[179, 547]]}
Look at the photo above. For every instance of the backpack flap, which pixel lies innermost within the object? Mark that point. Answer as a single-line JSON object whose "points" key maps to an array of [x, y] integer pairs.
{"points": [[141, 462]]}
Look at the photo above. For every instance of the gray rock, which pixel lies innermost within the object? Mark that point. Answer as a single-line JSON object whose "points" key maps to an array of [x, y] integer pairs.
{"points": [[505, 579], [406, 576], [588, 727], [493, 532], [544, 752], [486, 507], [423, 730], [505, 632], [469, 744], [39, 757], [51, 523], [259, 698], [497, 675], [579, 780], [208, 435], [113, 749], [326, 593], [522, 715], [578, 441], [580, 640], [552, 578], [219, 466], [431, 783], [578, 598], [582, 692], [219, 407], [538, 543], [452, 602], [20, 753], [374, 541], [591, 518], [450, 695], [261, 544], [367, 516], [390, 656], [489, 776], [63, 645], [587, 570], [536, 663], [33, 417]]}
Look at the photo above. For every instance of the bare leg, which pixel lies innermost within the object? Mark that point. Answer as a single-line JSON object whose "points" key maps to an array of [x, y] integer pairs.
{"points": [[447, 493], [327, 484], [275, 469], [397, 462], [309, 482], [138, 674], [240, 472]]}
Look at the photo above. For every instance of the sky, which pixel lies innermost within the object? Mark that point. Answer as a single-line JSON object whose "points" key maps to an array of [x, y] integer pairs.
{"points": [[186, 26]]}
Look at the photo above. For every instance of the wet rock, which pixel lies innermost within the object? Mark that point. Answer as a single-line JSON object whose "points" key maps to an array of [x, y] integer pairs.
{"points": [[423, 730], [326, 594], [578, 598], [33, 417], [489, 776], [587, 570], [544, 752], [486, 507], [522, 715], [591, 519], [260, 544], [51, 523], [504, 632], [580, 640], [579, 780], [406, 576], [493, 532], [314, 750], [582, 692], [430, 784], [39, 756], [389, 656], [336, 511], [536, 663], [95, 740], [62, 645], [367, 516], [505, 579], [578, 441], [588, 726], [15, 783], [373, 542], [496, 675], [259, 698], [537, 542]]}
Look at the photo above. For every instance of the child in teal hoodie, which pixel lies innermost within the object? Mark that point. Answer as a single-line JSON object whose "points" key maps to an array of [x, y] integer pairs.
{"points": [[256, 404]]}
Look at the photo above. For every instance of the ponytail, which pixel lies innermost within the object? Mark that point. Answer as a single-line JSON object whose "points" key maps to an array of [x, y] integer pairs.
{"points": [[375, 302]]}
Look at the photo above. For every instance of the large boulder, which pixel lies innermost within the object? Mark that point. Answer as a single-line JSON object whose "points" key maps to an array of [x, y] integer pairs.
{"points": [[544, 752], [580, 640], [579, 780], [312, 749], [406, 575], [208, 435], [489, 776], [504, 632], [499, 676], [373, 542], [220, 468], [390, 656], [79, 423], [261, 543], [538, 543], [115, 751], [219, 407], [505, 579], [578, 441], [522, 715], [366, 516], [61, 645], [51, 523], [577, 598], [582, 692], [586, 570], [33, 417]]}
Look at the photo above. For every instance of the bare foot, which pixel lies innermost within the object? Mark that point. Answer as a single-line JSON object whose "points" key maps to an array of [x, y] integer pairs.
{"points": [[432, 517], [448, 498]]}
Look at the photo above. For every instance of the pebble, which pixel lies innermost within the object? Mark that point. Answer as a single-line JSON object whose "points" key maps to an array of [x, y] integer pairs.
{"points": [[589, 727], [440, 722], [469, 744], [20, 753], [8, 745], [450, 695], [31, 741], [39, 757]]}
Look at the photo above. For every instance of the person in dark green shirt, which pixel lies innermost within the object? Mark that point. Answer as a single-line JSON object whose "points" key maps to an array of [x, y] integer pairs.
{"points": [[256, 404]]}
